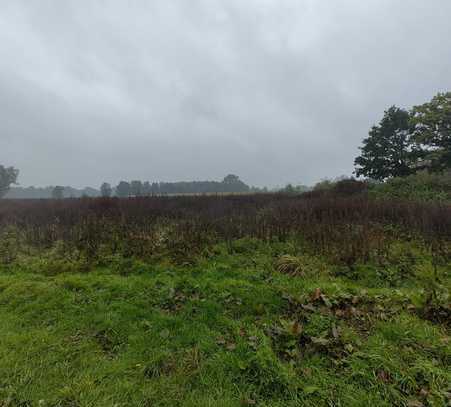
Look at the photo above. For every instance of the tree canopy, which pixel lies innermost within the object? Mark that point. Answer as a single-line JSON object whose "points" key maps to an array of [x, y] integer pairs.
{"points": [[407, 141], [432, 131], [8, 177], [385, 152]]}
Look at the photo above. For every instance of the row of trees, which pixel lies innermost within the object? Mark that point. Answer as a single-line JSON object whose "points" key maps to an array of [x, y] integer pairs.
{"points": [[231, 183], [405, 142]]}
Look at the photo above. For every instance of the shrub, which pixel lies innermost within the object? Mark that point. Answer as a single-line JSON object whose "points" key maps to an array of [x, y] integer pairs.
{"points": [[423, 186]]}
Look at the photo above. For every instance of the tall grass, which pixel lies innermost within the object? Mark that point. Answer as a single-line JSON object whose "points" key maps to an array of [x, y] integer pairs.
{"points": [[350, 228]]}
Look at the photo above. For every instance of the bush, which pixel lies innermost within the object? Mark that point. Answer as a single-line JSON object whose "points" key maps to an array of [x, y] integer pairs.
{"points": [[350, 186], [423, 186]]}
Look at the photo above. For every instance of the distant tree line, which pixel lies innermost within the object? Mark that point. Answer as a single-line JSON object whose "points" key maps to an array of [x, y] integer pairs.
{"points": [[405, 142], [230, 184], [50, 192]]}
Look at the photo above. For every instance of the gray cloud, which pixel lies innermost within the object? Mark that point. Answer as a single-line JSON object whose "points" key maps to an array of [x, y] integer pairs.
{"points": [[274, 90]]}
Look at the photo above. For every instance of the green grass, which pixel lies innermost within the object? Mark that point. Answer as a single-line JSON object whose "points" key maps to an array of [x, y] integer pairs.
{"points": [[229, 330]]}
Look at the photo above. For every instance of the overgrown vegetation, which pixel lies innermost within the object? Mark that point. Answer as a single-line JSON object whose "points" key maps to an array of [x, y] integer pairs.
{"points": [[423, 186], [271, 300]]}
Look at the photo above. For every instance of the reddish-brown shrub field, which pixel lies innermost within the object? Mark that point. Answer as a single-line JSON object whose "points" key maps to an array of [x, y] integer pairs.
{"points": [[350, 228]]}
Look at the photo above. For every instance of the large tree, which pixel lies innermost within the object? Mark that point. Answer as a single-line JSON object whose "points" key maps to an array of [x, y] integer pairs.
{"points": [[385, 152], [8, 176], [432, 131]]}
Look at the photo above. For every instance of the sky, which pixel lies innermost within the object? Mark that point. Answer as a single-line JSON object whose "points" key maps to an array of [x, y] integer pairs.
{"points": [[275, 91]]}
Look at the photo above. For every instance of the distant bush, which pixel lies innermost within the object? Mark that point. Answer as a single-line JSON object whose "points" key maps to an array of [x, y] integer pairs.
{"points": [[324, 185], [342, 186], [423, 186], [294, 189], [350, 186]]}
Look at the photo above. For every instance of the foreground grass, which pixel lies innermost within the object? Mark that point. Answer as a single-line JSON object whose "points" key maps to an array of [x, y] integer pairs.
{"points": [[232, 329]]}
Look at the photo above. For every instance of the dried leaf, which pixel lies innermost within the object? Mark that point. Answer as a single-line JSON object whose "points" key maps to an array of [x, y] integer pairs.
{"points": [[424, 392], [316, 294]]}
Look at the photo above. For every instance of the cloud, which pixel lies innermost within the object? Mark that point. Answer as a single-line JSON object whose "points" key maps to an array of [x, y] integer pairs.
{"points": [[276, 91]]}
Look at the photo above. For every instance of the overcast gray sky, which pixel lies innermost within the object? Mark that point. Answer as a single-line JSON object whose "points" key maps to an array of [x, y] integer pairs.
{"points": [[275, 91]]}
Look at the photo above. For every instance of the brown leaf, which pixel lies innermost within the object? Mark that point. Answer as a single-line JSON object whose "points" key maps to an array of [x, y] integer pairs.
{"points": [[316, 294], [424, 392], [296, 328], [415, 403]]}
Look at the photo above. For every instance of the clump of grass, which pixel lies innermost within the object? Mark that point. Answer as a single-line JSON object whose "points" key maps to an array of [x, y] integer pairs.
{"points": [[291, 265], [301, 266]]}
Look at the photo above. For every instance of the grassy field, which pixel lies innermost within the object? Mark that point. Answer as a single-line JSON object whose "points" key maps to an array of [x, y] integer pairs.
{"points": [[243, 324]]}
